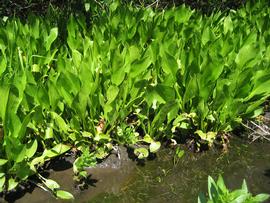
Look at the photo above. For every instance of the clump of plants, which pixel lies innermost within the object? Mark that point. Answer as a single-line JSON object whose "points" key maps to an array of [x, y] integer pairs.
{"points": [[135, 76], [219, 193]]}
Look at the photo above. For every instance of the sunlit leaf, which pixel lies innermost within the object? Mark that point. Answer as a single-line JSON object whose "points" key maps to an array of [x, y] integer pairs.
{"points": [[12, 184], [51, 184], [3, 162], [141, 153], [148, 139], [51, 38], [112, 93], [61, 194], [154, 147], [31, 148], [2, 181]]}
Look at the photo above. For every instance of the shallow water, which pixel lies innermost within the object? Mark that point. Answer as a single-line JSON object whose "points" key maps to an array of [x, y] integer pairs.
{"points": [[162, 180]]}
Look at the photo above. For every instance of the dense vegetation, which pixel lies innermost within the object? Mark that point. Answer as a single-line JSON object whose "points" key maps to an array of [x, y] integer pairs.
{"points": [[134, 76]]}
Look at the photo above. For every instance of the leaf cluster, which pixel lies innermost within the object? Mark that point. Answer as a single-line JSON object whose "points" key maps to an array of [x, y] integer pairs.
{"points": [[137, 75], [219, 193]]}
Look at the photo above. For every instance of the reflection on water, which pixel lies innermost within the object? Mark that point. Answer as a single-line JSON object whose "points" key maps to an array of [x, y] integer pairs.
{"points": [[162, 181]]}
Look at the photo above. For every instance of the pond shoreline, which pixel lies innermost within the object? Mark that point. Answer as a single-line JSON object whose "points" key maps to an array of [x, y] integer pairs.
{"points": [[113, 176]]}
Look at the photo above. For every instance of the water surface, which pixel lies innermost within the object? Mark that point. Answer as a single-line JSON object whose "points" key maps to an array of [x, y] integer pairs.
{"points": [[163, 180]]}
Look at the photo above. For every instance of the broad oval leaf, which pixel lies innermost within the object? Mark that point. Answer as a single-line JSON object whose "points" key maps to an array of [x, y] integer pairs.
{"points": [[154, 147], [141, 153], [61, 194], [148, 139], [12, 184], [51, 184], [31, 148]]}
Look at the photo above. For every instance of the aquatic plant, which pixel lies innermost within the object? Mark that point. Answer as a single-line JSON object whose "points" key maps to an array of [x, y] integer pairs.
{"points": [[219, 193], [135, 76]]}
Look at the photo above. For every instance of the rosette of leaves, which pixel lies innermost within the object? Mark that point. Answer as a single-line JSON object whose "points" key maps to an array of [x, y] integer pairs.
{"points": [[218, 192]]}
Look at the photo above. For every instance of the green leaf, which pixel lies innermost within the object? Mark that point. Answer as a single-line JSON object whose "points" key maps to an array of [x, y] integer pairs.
{"points": [[72, 27], [141, 153], [76, 57], [99, 137], [179, 153], [154, 147], [133, 54], [160, 94], [211, 72], [31, 148], [245, 54], [3, 162], [228, 24], [63, 195], [169, 64], [244, 186], [261, 198], [12, 184], [60, 122], [87, 7], [212, 189], [50, 38], [112, 93], [191, 90], [182, 14], [148, 139], [262, 89], [202, 199], [118, 76], [51, 184], [4, 95], [87, 134], [2, 181], [161, 115], [221, 185], [49, 131], [3, 64], [209, 136], [15, 150], [139, 66], [56, 151], [23, 170], [24, 124], [206, 35]]}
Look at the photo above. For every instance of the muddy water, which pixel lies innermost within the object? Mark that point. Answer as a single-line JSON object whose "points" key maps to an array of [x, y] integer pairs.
{"points": [[162, 180]]}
